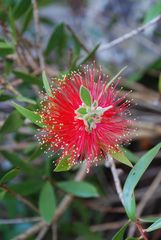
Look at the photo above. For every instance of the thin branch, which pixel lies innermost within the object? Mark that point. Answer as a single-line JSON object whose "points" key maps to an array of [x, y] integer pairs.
{"points": [[110, 162], [19, 197], [19, 220], [38, 34], [129, 35], [59, 211]]}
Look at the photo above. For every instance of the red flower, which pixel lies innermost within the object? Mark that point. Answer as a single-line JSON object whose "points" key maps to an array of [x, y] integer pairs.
{"points": [[86, 118]]}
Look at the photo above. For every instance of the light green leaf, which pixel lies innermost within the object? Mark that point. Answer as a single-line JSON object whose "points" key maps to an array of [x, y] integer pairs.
{"points": [[25, 99], [32, 116], [85, 96], [120, 156], [46, 84], [10, 175], [130, 155], [79, 189], [134, 177], [47, 202], [154, 11], [82, 110], [63, 165], [149, 219], [156, 225], [120, 234], [2, 194]]}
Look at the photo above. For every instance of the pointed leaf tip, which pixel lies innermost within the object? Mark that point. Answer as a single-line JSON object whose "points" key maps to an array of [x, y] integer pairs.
{"points": [[46, 84]]}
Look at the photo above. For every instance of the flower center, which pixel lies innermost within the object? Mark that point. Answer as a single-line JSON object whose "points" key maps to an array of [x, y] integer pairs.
{"points": [[91, 115]]}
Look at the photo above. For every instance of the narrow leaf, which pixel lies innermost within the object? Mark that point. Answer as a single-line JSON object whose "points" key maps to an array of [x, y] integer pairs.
{"points": [[91, 55], [32, 116], [57, 40], [120, 156], [85, 96], [47, 202], [10, 175], [12, 123], [115, 77], [159, 84], [149, 219], [120, 234], [156, 225], [46, 84], [153, 12], [134, 177], [21, 8], [79, 189], [28, 78], [63, 165]]}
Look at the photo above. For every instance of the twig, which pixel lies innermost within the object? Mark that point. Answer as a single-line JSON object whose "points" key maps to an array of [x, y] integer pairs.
{"points": [[112, 166], [107, 226], [129, 35], [54, 232], [19, 197], [42, 233], [38, 34], [19, 220], [77, 38], [59, 211]]}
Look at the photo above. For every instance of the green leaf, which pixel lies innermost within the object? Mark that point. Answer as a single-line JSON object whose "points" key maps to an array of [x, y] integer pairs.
{"points": [[17, 161], [13, 26], [149, 219], [156, 225], [6, 48], [2, 194], [120, 156], [85, 96], [27, 187], [132, 238], [82, 110], [47, 202], [28, 78], [130, 155], [120, 234], [154, 11], [159, 83], [21, 8], [5, 97], [63, 165], [133, 179], [25, 99], [46, 84], [10, 175], [79, 189], [12, 123], [32, 116], [91, 55], [57, 40]]}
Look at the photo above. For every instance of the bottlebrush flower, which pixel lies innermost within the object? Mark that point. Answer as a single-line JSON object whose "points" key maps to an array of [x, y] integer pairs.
{"points": [[85, 117]]}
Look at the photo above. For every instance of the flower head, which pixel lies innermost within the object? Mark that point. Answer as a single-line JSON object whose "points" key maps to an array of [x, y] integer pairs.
{"points": [[86, 117]]}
